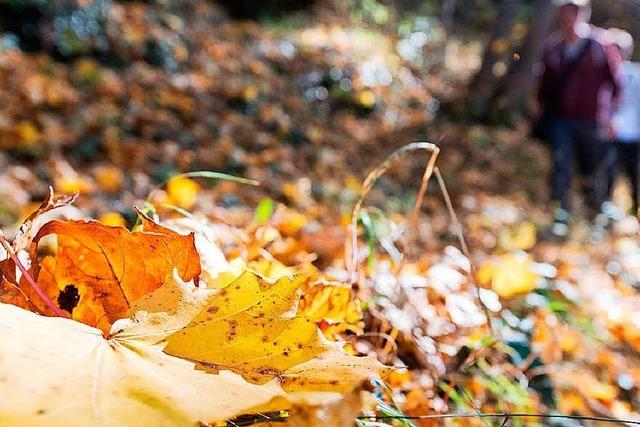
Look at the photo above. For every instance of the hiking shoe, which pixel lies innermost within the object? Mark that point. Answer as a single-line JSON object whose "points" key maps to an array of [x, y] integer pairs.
{"points": [[560, 225]]}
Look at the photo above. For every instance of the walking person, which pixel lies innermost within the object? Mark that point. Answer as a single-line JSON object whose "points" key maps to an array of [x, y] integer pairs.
{"points": [[576, 92], [625, 123]]}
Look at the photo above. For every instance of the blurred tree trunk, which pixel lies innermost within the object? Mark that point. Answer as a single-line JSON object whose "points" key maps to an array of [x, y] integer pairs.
{"points": [[447, 12], [484, 83], [515, 91]]}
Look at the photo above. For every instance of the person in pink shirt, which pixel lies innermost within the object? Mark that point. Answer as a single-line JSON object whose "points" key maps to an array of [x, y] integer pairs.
{"points": [[577, 91]]}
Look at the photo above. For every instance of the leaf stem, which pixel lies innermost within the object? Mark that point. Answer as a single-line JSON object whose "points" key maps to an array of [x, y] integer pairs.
{"points": [[48, 302]]}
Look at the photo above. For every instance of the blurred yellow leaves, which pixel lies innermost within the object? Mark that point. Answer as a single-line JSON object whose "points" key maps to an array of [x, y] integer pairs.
{"points": [[250, 93], [521, 237], [112, 219], [182, 192], [291, 222], [27, 133], [330, 302], [72, 184], [509, 275], [109, 178], [366, 98]]}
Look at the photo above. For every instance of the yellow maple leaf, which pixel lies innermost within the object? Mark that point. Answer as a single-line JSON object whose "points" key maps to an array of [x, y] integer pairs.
{"points": [[243, 329], [120, 381], [250, 327]]}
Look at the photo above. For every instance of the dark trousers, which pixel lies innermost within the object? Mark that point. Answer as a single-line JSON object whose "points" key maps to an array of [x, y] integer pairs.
{"points": [[627, 160], [572, 141]]}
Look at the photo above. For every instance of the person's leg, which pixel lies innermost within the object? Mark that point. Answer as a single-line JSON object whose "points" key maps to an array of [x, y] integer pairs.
{"points": [[596, 158], [613, 170], [561, 141], [631, 165]]}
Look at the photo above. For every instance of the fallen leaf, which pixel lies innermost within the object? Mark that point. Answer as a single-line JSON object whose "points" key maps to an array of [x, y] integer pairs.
{"points": [[245, 328], [58, 372], [250, 327], [330, 302], [509, 275], [112, 219], [522, 237], [109, 178], [109, 268], [118, 381], [182, 192]]}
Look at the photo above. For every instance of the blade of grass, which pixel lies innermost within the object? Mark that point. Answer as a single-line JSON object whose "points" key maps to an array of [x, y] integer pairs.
{"points": [[205, 174]]}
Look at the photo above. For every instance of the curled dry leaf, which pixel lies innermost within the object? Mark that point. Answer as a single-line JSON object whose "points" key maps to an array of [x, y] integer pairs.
{"points": [[98, 272], [212, 259], [10, 291], [25, 234], [29, 227], [331, 302]]}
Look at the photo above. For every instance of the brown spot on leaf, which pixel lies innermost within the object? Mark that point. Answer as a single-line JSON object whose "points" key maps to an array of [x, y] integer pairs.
{"points": [[68, 298]]}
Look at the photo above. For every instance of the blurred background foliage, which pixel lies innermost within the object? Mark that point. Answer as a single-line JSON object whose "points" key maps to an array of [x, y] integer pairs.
{"points": [[69, 29]]}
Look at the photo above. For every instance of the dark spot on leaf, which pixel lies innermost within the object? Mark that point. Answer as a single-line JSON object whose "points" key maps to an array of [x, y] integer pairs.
{"points": [[68, 298]]}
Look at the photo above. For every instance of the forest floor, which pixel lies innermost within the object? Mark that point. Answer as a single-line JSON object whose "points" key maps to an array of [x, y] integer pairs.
{"points": [[309, 112]]}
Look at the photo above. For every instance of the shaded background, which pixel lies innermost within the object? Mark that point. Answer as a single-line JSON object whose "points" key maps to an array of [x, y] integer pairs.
{"points": [[275, 90]]}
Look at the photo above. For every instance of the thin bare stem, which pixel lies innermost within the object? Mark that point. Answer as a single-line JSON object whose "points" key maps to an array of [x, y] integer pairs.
{"points": [[499, 415], [369, 182], [29, 279], [471, 274]]}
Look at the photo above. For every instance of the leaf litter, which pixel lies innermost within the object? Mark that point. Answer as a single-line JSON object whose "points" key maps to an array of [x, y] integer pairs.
{"points": [[568, 334]]}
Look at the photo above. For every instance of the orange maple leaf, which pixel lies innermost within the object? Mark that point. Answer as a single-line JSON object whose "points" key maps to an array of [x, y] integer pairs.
{"points": [[98, 271]]}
